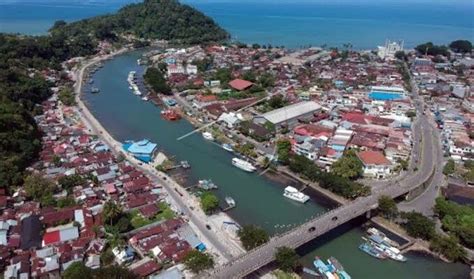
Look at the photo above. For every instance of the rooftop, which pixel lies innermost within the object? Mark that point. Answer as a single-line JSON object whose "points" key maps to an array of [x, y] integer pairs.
{"points": [[373, 158], [291, 111]]}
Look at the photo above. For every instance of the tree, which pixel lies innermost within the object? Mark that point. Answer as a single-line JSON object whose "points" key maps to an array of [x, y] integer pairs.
{"points": [[348, 166], [77, 270], [418, 225], [431, 49], [252, 236], [38, 187], [283, 150], [114, 272], [209, 202], [157, 81], [197, 261], [400, 55], [387, 207], [68, 182], [448, 246], [287, 259], [111, 212], [66, 96], [463, 46], [449, 168]]}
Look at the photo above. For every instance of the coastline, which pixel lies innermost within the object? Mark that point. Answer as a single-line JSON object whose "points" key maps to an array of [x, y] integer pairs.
{"points": [[223, 252]]}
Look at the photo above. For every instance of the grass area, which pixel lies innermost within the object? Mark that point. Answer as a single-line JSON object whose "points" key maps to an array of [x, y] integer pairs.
{"points": [[138, 221]]}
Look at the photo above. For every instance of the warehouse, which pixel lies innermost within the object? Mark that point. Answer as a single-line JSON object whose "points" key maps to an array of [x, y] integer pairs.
{"points": [[290, 115]]}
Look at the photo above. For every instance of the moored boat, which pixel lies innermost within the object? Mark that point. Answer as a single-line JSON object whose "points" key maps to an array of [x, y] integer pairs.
{"points": [[243, 165], [207, 184], [227, 147], [207, 136], [95, 90], [230, 201], [293, 194], [170, 114], [370, 249]]}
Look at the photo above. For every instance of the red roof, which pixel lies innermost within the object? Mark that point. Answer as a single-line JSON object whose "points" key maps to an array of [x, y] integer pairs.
{"points": [[51, 237], [146, 269], [373, 158], [240, 84]]}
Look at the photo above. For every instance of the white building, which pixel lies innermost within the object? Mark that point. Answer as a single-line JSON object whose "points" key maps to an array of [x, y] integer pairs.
{"points": [[191, 69], [375, 164], [175, 69], [389, 49], [231, 119]]}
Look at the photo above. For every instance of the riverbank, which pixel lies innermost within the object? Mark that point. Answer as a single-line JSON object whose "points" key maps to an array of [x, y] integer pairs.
{"points": [[213, 239]]}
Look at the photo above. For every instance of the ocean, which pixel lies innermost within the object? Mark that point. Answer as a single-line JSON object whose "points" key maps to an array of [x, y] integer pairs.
{"points": [[293, 25]]}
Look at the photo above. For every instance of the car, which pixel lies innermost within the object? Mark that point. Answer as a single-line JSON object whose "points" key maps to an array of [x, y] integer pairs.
{"points": [[334, 218], [208, 227], [312, 229]]}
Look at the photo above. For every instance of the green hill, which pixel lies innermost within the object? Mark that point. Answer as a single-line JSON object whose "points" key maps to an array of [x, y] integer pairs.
{"points": [[152, 19]]}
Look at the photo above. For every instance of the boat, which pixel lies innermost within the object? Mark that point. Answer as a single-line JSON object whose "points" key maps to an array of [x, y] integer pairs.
{"points": [[243, 165], [323, 269], [384, 247], [95, 90], [227, 147], [170, 114], [185, 164], [339, 268], [207, 184], [230, 201], [145, 98], [293, 193], [310, 271], [208, 136], [370, 249], [91, 81], [374, 231]]}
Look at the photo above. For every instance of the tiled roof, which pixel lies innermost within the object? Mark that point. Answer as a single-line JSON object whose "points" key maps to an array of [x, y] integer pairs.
{"points": [[373, 158]]}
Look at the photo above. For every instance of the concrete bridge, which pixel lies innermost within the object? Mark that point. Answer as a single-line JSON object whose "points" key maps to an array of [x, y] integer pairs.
{"points": [[262, 255]]}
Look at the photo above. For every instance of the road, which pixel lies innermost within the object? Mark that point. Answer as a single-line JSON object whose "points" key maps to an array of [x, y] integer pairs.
{"points": [[196, 216], [425, 202]]}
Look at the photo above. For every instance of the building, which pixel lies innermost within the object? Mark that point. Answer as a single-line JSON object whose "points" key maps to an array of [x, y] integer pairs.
{"points": [[143, 150], [289, 115], [389, 49], [240, 84], [375, 164]]}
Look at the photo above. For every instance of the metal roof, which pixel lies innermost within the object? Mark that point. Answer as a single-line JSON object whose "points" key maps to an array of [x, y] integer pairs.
{"points": [[290, 112]]}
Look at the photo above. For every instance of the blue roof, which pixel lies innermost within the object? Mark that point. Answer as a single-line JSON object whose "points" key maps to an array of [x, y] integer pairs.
{"points": [[140, 147]]}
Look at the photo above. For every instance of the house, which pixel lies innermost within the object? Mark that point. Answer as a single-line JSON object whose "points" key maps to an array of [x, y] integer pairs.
{"points": [[459, 194], [60, 234], [375, 164], [124, 255], [231, 119], [147, 268], [30, 232], [240, 84]]}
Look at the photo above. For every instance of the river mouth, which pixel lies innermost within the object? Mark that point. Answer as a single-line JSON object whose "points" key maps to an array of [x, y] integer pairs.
{"points": [[259, 199]]}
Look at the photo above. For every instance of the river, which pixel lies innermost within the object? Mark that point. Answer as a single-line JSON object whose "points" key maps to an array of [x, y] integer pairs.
{"points": [[259, 200]]}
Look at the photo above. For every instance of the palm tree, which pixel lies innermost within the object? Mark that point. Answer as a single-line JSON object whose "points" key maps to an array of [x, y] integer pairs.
{"points": [[111, 211], [115, 239]]}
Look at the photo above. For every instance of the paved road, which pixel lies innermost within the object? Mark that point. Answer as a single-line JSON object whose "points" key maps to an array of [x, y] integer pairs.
{"points": [[195, 218], [425, 202], [424, 132]]}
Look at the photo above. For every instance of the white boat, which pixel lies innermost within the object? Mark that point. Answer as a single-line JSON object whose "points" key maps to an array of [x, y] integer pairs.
{"points": [[227, 147], [230, 201], [145, 98], [207, 135], [244, 165], [394, 254], [293, 193]]}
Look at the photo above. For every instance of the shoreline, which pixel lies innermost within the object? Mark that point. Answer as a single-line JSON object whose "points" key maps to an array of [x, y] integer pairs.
{"points": [[223, 252]]}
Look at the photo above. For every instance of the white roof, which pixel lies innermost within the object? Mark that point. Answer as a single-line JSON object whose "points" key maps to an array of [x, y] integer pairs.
{"points": [[291, 111]]}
